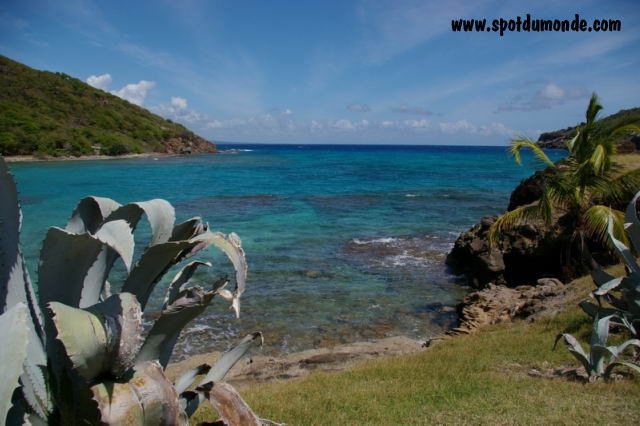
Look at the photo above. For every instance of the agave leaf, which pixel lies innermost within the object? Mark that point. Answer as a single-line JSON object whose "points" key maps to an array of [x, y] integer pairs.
{"points": [[229, 359], [594, 310], [231, 245], [600, 331], [599, 354], [187, 379], [165, 331], [154, 262], [188, 229], [148, 398], [575, 348], [160, 214], [121, 316], [613, 365], [117, 235], [631, 217], [190, 401], [16, 289], [229, 404], [180, 280], [622, 250], [617, 350], [601, 277], [13, 351], [103, 338], [84, 339], [89, 214], [118, 242], [70, 256], [608, 286]]}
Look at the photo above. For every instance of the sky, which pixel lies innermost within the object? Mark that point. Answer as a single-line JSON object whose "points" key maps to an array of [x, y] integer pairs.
{"points": [[387, 71]]}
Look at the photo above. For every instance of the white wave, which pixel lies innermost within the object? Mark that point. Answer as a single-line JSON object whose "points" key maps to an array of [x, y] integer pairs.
{"points": [[384, 240], [410, 195]]}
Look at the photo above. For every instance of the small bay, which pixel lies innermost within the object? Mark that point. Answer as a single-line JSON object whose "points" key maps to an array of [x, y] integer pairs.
{"points": [[344, 242]]}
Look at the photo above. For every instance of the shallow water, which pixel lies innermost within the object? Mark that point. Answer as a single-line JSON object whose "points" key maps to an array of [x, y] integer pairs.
{"points": [[344, 243]]}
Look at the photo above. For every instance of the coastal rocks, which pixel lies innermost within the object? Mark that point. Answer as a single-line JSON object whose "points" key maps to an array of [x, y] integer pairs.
{"points": [[522, 255], [497, 304], [188, 143], [263, 369]]}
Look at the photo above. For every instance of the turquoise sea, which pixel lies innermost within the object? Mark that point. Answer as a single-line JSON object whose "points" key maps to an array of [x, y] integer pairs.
{"points": [[344, 243]]}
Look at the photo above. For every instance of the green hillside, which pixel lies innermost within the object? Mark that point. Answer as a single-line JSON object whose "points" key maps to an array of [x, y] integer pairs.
{"points": [[627, 142], [46, 113]]}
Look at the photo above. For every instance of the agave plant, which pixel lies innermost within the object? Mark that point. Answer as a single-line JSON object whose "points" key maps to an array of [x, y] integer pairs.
{"points": [[602, 359], [627, 304], [76, 353]]}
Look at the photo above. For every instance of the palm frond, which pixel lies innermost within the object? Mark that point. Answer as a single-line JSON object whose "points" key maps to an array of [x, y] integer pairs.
{"points": [[597, 160], [593, 109], [512, 219], [596, 220], [572, 142], [622, 188], [518, 144]]}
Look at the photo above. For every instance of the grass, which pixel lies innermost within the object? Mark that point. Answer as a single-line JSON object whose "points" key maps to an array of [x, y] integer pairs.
{"points": [[472, 379], [628, 161]]}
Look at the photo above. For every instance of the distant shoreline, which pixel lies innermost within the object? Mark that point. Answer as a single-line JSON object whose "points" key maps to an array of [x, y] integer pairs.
{"points": [[38, 158]]}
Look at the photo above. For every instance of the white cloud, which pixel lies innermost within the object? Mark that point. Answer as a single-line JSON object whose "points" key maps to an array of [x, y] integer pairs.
{"points": [[178, 103], [359, 107], [99, 81], [548, 96], [406, 109], [135, 92]]}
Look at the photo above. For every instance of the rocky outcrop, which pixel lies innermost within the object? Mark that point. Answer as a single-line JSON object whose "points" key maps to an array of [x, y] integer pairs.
{"points": [[189, 143], [521, 256], [497, 304], [557, 139]]}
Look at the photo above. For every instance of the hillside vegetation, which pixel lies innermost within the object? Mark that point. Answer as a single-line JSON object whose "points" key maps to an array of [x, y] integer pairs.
{"points": [[626, 142], [46, 113]]}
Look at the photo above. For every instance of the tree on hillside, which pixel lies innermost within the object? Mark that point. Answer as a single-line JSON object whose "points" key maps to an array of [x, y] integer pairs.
{"points": [[581, 188]]}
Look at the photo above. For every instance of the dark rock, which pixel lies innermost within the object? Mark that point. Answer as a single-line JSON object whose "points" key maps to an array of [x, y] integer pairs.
{"points": [[522, 255]]}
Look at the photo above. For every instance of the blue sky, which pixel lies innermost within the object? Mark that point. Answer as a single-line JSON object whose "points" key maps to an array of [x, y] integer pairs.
{"points": [[336, 71]]}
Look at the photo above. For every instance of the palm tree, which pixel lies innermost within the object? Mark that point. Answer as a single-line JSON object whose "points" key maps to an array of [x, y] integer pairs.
{"points": [[582, 187]]}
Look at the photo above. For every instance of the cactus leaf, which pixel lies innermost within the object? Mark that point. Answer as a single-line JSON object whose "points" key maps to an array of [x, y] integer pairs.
{"points": [[180, 280], [103, 338], [13, 351], [229, 404], [188, 229], [187, 379], [229, 359], [232, 247], [622, 250], [601, 277], [118, 236], [575, 348], [600, 332], [631, 218], [160, 214], [89, 214], [165, 331], [613, 365], [84, 338], [608, 286], [148, 398], [617, 350], [153, 263]]}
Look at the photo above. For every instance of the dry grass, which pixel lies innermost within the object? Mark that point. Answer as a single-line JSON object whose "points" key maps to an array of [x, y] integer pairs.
{"points": [[628, 161], [481, 379]]}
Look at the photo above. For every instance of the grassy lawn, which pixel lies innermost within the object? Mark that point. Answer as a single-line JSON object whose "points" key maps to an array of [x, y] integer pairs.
{"points": [[629, 161], [471, 379]]}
